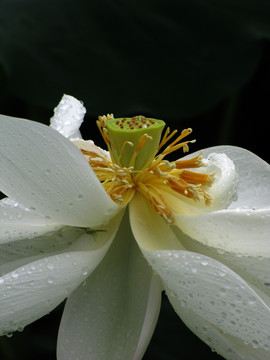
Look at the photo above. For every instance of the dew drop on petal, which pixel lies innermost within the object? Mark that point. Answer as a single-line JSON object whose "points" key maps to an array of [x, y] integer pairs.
{"points": [[85, 271], [204, 262], [50, 280], [222, 291], [50, 266]]}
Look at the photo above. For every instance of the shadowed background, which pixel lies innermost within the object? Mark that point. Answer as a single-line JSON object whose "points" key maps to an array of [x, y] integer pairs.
{"points": [[200, 64]]}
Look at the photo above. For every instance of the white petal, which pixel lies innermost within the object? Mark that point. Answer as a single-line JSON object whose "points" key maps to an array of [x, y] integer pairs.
{"points": [[17, 223], [68, 116], [243, 232], [34, 289], [253, 176], [19, 253], [113, 315], [222, 192], [252, 268], [224, 187], [142, 219], [48, 174], [224, 344], [215, 292]]}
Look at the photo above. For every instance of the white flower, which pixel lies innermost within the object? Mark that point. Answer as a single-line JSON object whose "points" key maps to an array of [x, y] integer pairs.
{"points": [[62, 235]]}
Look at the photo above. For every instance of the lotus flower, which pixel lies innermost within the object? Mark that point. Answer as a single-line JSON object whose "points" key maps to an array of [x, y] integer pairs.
{"points": [[110, 230]]}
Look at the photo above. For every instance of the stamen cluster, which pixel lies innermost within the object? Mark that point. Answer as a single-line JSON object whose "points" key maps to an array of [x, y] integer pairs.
{"points": [[159, 179]]}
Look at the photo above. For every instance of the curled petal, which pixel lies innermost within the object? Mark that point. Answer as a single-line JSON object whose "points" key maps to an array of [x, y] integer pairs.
{"points": [[253, 177], [68, 116], [224, 188]]}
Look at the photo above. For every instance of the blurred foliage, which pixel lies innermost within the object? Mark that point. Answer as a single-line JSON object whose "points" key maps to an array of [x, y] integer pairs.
{"points": [[198, 63]]}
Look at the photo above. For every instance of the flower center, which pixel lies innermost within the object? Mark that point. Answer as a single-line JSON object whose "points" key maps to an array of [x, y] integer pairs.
{"points": [[137, 163]]}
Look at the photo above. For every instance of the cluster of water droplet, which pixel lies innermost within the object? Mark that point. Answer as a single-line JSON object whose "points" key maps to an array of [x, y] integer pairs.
{"points": [[214, 292]]}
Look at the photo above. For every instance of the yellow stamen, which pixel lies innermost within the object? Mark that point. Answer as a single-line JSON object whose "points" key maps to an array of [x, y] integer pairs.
{"points": [[157, 178]]}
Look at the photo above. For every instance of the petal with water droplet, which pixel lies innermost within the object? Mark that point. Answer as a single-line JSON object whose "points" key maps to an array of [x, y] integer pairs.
{"points": [[17, 222], [68, 116], [27, 151], [240, 231], [218, 294], [253, 176], [113, 315], [230, 347], [253, 268], [33, 289]]}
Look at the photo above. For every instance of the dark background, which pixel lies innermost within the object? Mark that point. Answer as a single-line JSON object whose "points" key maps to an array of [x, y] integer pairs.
{"points": [[200, 64]]}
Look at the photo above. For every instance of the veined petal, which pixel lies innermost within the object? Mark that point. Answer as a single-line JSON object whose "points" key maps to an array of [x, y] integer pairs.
{"points": [[113, 315], [253, 176], [230, 347], [149, 229], [34, 289], [68, 116], [215, 292], [17, 222], [46, 173], [242, 232]]}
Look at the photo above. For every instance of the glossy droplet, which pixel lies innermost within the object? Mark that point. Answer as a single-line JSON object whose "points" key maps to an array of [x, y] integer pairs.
{"points": [[50, 280], [50, 266], [85, 271], [255, 344], [222, 291], [204, 262], [15, 275]]}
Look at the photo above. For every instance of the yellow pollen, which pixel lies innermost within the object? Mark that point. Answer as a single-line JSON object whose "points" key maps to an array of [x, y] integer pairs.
{"points": [[158, 180]]}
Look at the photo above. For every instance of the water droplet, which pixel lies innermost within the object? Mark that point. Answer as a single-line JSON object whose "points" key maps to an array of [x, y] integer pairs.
{"points": [[222, 291], [251, 300], [109, 211], [50, 280], [15, 275], [224, 315], [204, 262], [50, 266], [85, 271], [255, 344]]}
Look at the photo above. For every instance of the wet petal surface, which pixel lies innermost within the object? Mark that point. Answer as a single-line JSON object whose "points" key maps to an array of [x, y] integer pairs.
{"points": [[46, 173], [113, 315]]}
